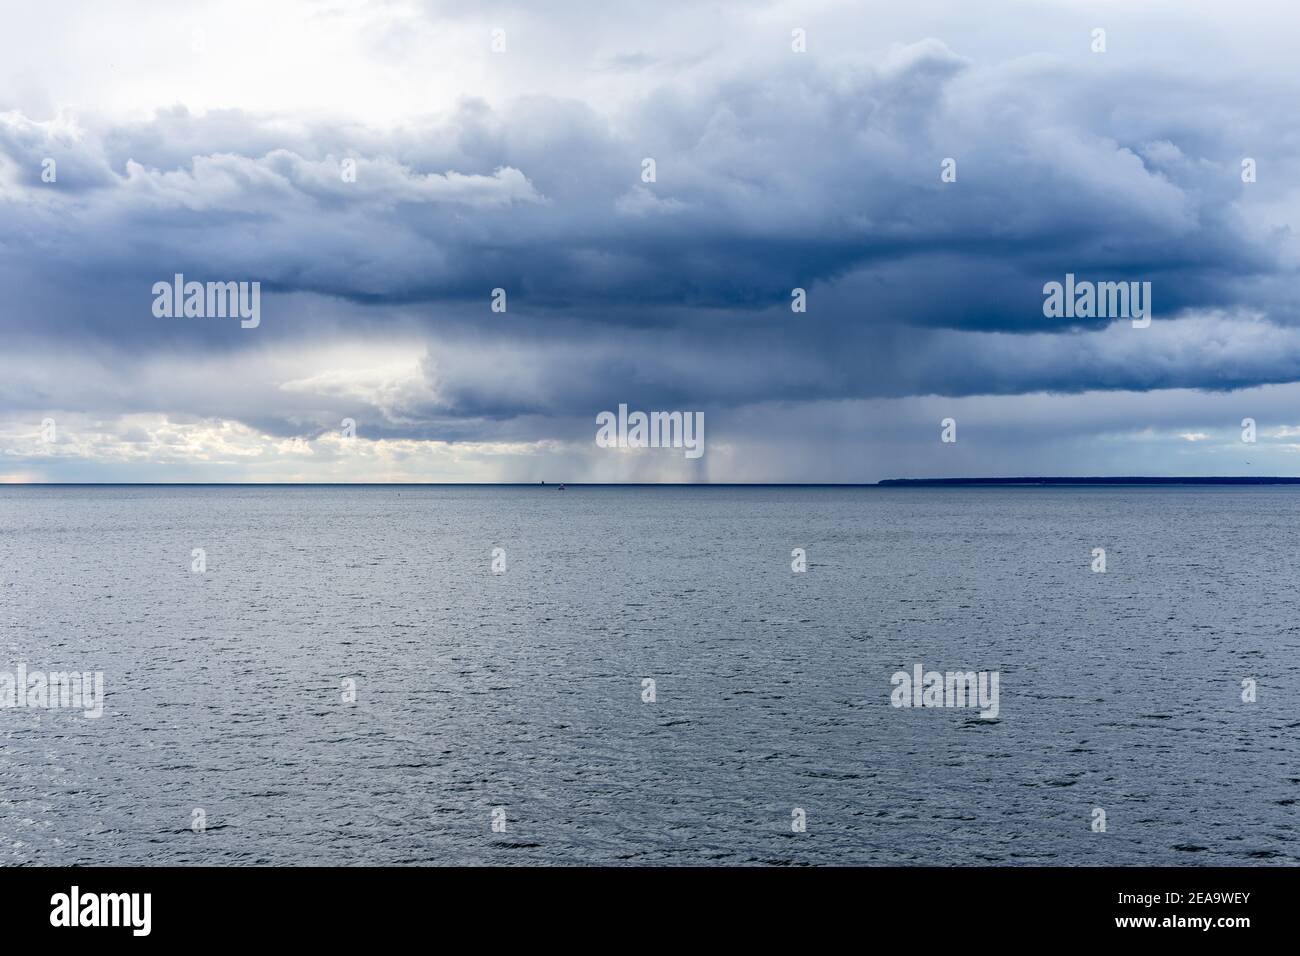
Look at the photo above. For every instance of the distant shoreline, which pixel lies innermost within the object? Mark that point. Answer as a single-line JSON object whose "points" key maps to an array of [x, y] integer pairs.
{"points": [[1133, 480]]}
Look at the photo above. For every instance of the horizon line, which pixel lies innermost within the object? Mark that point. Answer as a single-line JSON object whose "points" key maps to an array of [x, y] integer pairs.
{"points": [[882, 483]]}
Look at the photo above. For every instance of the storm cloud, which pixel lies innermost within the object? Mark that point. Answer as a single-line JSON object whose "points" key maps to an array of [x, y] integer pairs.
{"points": [[774, 171]]}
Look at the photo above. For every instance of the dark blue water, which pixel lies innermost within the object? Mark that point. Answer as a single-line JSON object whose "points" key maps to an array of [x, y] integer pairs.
{"points": [[523, 690]]}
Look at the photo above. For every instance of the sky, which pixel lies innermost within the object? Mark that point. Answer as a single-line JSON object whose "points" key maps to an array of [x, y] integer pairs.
{"points": [[503, 146]]}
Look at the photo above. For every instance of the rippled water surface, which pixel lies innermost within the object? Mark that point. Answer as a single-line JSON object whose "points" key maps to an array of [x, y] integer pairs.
{"points": [[524, 690]]}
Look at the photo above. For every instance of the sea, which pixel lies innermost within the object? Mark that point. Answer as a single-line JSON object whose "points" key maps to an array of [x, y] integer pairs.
{"points": [[651, 675]]}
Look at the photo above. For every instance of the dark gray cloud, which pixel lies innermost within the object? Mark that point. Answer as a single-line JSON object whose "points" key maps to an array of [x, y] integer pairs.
{"points": [[797, 177]]}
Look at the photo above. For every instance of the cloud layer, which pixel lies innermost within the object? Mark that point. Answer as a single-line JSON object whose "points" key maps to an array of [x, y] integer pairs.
{"points": [[379, 243]]}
